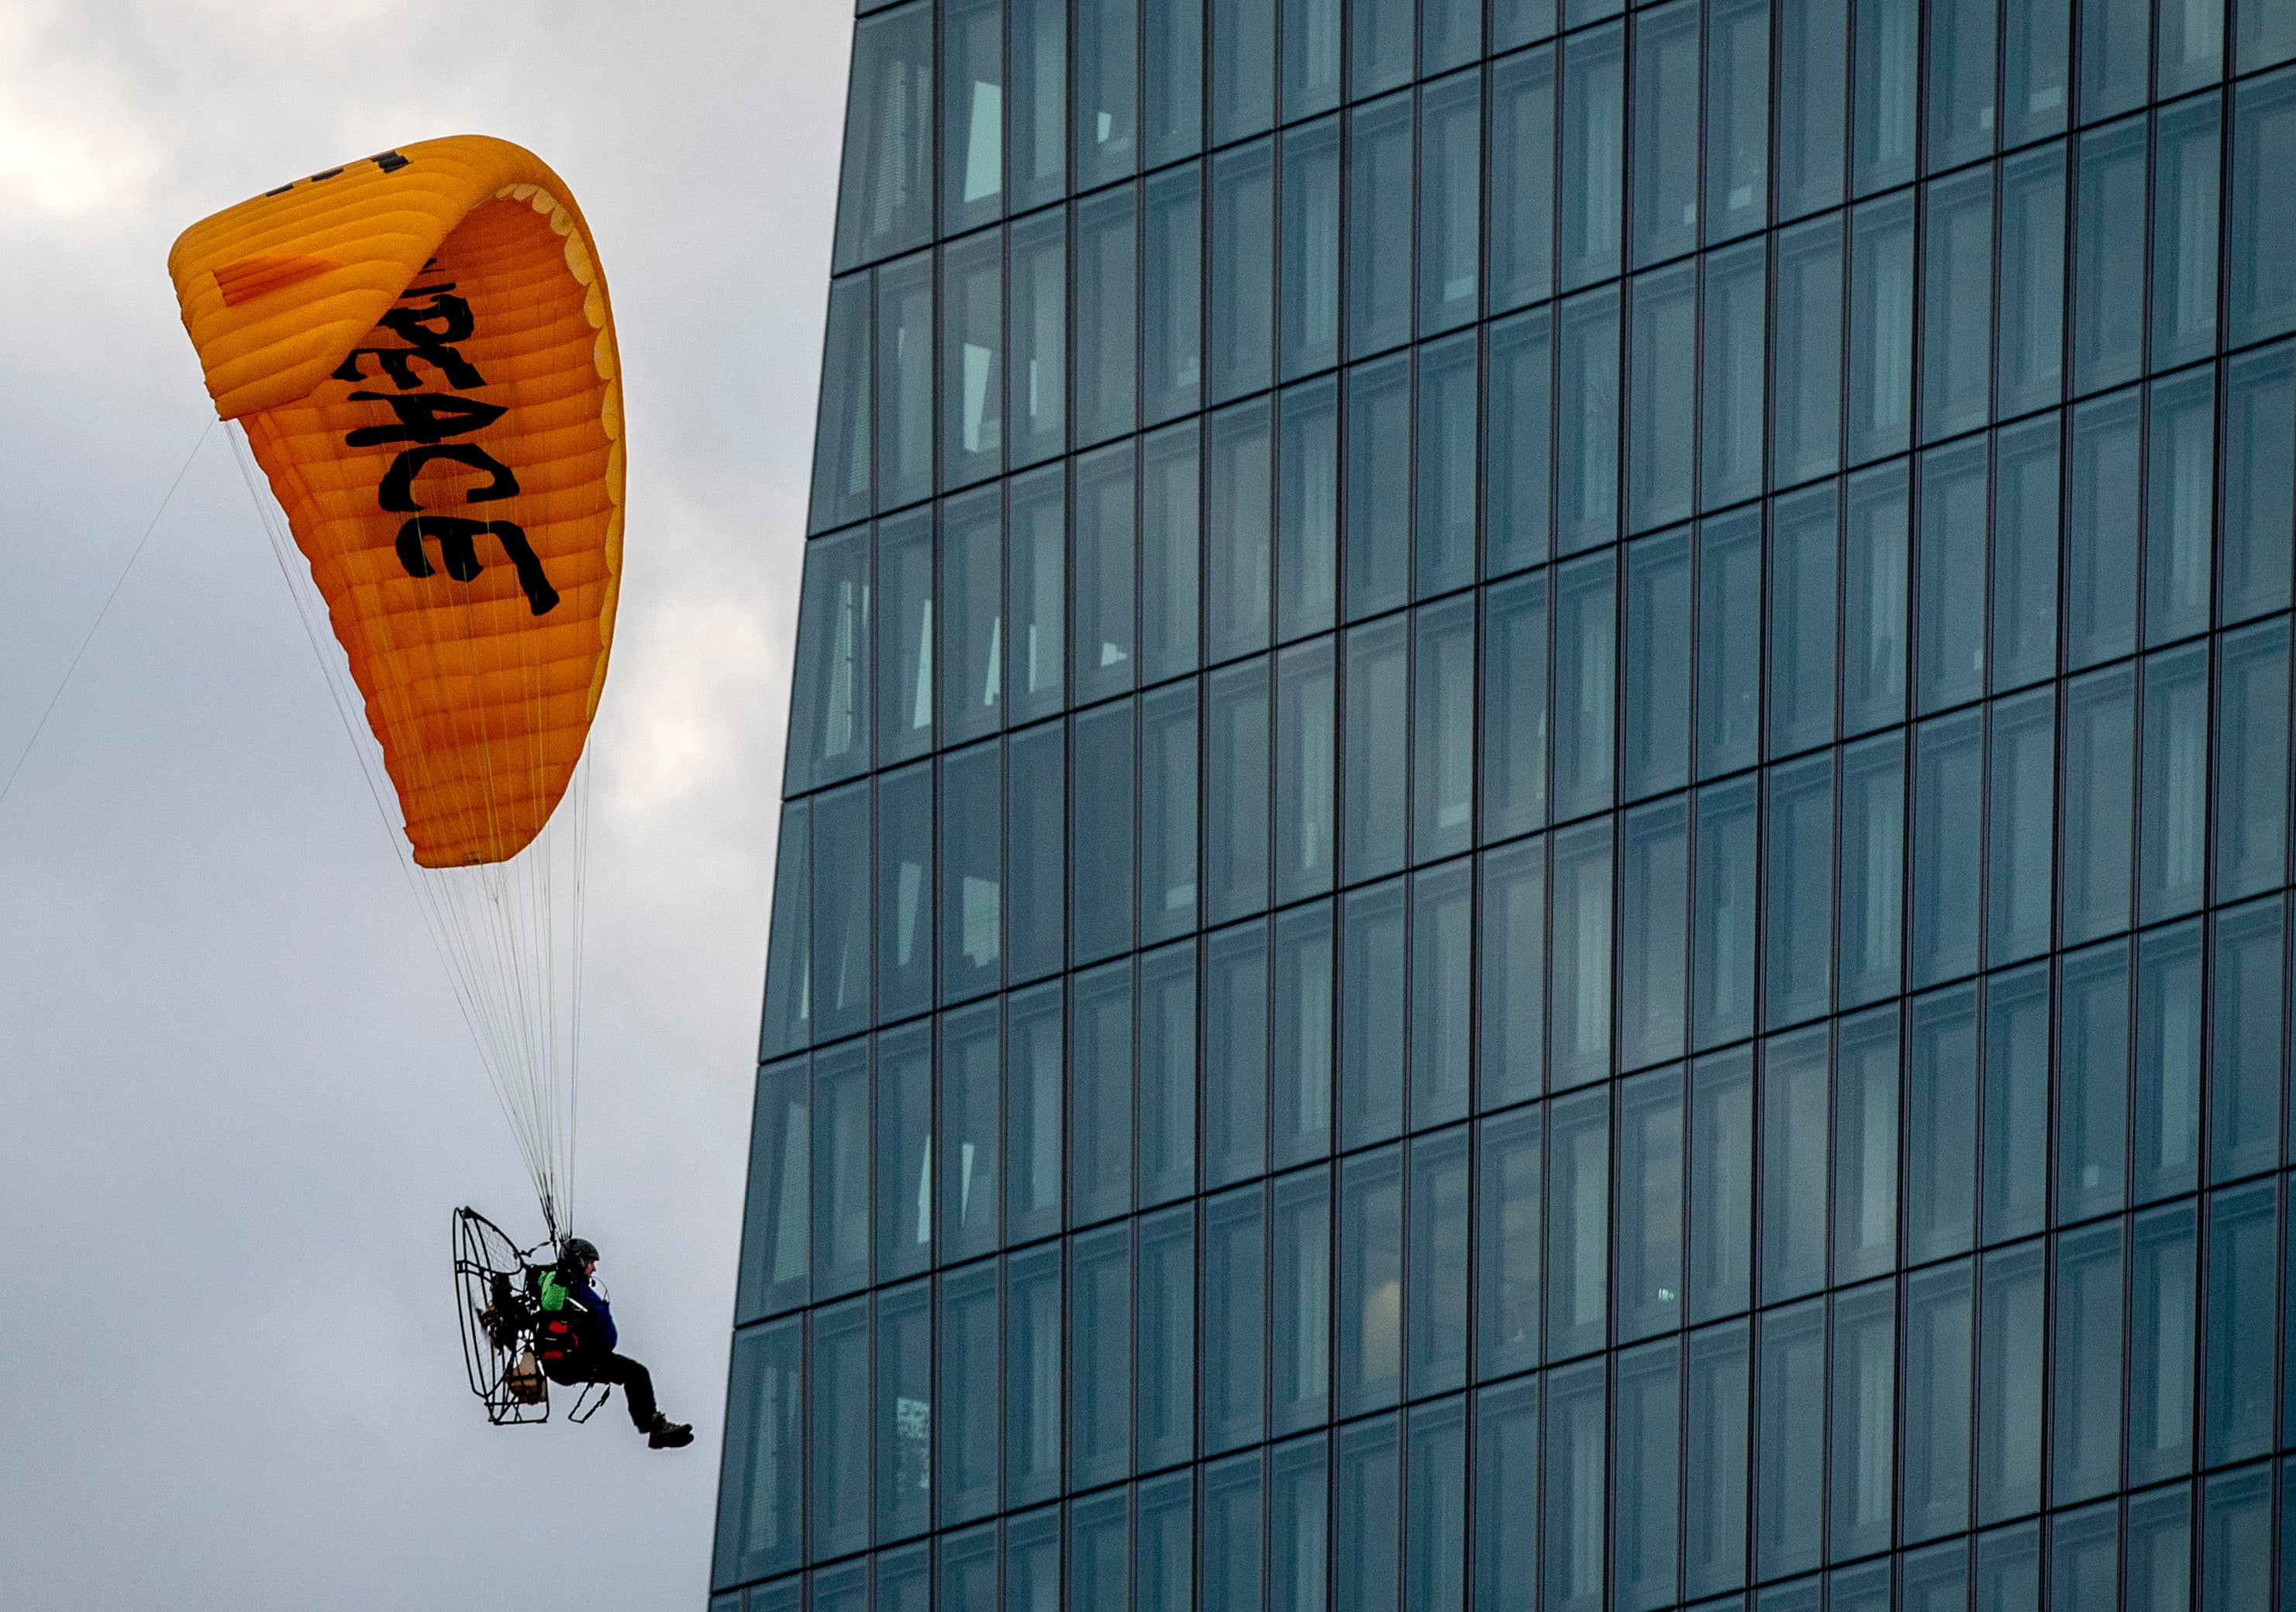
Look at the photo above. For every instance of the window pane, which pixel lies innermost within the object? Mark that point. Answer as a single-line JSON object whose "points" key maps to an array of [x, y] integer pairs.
{"points": [[1235, 799], [760, 1515], [1040, 76], [1657, 666], [2109, 258], [1732, 403], [1235, 1333], [1174, 114], [1512, 1041], [1942, 1125], [1377, 487], [1587, 447], [2025, 554], [1577, 1225], [1806, 420], [2239, 1321], [1450, 484], [1371, 1281], [2018, 864], [1243, 266], [1653, 933], [1866, 1147], [2173, 809], [1880, 318], [2162, 1297], [1309, 322], [1303, 1034], [1738, 117], [1793, 1166], [905, 1198], [1650, 1204], [1714, 1433], [1522, 179], [1311, 56], [904, 1412], [2031, 281], [1874, 603], [2181, 507], [775, 1241], [1301, 1319], [2016, 1102], [1037, 410], [1593, 154], [1507, 1491], [1666, 139], [885, 199], [1305, 781], [1884, 101], [1581, 1012], [1721, 1184], [1575, 1428], [1104, 835], [1722, 936], [905, 390], [1108, 95], [1100, 1347], [1662, 463], [1517, 474], [972, 875], [1813, 84], [1442, 962], [1948, 798], [968, 1359], [1236, 561], [972, 1140], [1172, 383], [842, 441], [841, 1477], [1961, 81], [1032, 1376], [1437, 1303], [1167, 1073], [2115, 54], [2087, 1418], [1099, 1098], [1865, 1373], [1107, 315], [1729, 642], [840, 1170], [1938, 1382], [1450, 185], [1167, 1311], [1645, 1508], [2009, 1384], [972, 306], [1790, 1450], [1373, 971], [1872, 868], [2167, 1061], [2262, 300], [1235, 1054], [1379, 162], [1167, 812], [2184, 229], [2252, 762], [1800, 869], [1957, 300], [2036, 39], [1034, 1093], [1510, 1239], [1375, 773]]}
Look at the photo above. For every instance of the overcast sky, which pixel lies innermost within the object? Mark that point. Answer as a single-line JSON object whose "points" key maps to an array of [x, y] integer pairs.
{"points": [[237, 1102]]}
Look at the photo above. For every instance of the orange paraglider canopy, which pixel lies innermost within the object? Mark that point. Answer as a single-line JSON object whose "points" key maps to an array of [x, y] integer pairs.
{"points": [[419, 348]]}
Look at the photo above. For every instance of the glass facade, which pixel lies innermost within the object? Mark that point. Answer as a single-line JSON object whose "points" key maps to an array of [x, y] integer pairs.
{"points": [[1537, 846]]}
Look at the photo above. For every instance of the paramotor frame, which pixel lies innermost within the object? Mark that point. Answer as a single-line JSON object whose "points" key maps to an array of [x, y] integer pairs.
{"points": [[499, 1301]]}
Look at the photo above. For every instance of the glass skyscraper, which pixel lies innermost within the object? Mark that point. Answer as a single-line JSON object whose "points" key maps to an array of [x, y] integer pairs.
{"points": [[1537, 841]]}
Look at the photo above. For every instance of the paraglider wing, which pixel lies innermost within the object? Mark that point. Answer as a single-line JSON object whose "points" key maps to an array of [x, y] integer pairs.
{"points": [[420, 351]]}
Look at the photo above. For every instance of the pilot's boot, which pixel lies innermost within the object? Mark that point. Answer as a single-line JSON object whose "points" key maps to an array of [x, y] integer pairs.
{"points": [[668, 1435]]}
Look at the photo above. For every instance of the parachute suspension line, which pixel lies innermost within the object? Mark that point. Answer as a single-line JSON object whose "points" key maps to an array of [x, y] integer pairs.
{"points": [[494, 926], [118, 582]]}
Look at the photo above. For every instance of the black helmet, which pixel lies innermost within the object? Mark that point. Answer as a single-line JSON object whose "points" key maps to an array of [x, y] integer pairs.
{"points": [[574, 1250]]}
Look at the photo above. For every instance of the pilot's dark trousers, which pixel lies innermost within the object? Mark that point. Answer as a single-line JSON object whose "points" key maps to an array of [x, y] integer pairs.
{"points": [[595, 1365]]}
